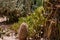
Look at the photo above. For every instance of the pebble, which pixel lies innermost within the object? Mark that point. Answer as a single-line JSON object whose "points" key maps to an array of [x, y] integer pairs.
{"points": [[0, 38]]}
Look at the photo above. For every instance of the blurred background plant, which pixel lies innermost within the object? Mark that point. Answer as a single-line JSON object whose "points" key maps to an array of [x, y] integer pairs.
{"points": [[13, 9]]}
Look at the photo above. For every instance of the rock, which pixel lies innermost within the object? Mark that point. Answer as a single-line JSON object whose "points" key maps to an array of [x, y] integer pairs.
{"points": [[0, 39]]}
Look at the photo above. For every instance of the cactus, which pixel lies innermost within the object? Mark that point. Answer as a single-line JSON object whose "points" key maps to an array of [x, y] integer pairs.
{"points": [[23, 31]]}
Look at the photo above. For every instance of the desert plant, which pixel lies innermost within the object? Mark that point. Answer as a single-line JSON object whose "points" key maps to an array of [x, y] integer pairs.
{"points": [[34, 21]]}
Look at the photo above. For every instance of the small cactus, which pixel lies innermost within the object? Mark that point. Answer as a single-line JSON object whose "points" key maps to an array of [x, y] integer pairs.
{"points": [[23, 31]]}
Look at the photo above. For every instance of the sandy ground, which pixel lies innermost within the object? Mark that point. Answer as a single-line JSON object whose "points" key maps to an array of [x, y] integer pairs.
{"points": [[8, 38]]}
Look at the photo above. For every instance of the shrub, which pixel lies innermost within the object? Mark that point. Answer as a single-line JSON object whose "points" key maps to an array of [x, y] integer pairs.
{"points": [[34, 21]]}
